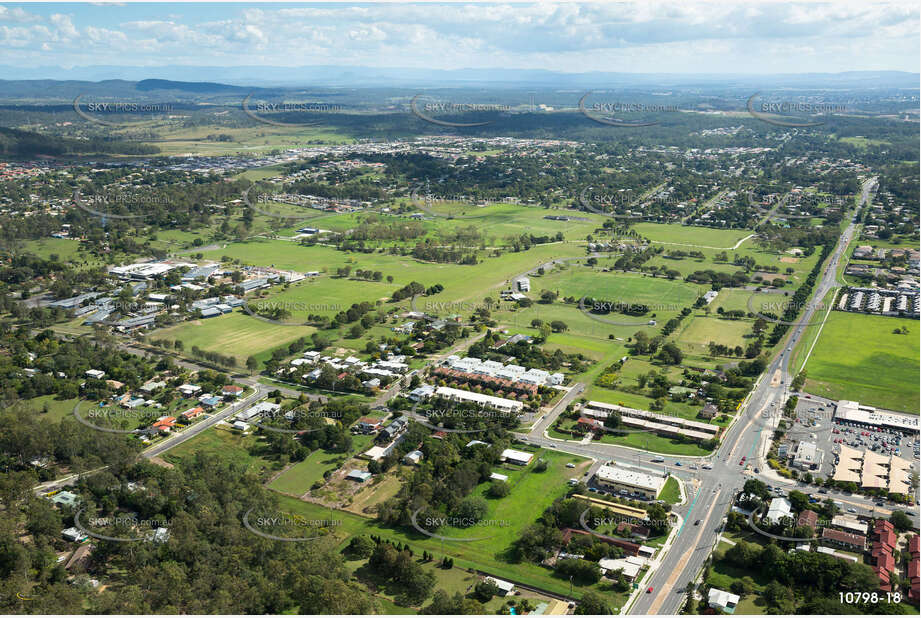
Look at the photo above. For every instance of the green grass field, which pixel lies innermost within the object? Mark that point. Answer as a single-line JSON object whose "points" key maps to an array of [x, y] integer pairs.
{"points": [[299, 478], [690, 235], [858, 357], [698, 331], [670, 492], [234, 334], [532, 492], [57, 408], [223, 442]]}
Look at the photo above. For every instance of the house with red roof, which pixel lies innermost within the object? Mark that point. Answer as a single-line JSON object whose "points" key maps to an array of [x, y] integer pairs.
{"points": [[232, 391], [914, 579], [847, 540], [164, 423], [589, 424], [884, 541], [807, 518], [193, 413]]}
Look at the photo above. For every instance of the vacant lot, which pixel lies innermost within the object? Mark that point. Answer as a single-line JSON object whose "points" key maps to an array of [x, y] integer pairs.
{"points": [[682, 234], [700, 331], [858, 357], [235, 334], [299, 478]]}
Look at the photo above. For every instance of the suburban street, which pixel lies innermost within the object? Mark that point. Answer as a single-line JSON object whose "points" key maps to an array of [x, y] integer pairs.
{"points": [[710, 493]]}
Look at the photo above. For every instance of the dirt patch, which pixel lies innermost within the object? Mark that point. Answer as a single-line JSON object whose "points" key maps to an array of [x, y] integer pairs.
{"points": [[770, 276], [789, 260], [161, 462]]}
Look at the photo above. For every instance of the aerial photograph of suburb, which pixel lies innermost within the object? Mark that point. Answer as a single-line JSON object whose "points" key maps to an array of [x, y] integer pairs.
{"points": [[460, 307]]}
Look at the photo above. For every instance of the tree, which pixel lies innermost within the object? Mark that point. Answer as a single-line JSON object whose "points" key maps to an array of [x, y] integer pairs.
{"points": [[471, 510], [361, 547], [499, 489], [901, 521], [670, 354], [798, 500], [592, 604], [252, 363], [486, 590]]}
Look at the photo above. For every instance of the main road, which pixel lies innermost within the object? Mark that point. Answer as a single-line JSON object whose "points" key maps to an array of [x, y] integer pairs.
{"points": [[710, 493]]}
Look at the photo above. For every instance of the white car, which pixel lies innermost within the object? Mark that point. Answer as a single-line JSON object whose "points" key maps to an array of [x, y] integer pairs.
{"points": [[570, 465]]}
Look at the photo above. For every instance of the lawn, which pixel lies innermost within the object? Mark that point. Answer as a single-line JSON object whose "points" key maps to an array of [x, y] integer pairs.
{"points": [[690, 235], [234, 334], [699, 331], [532, 492], [656, 444], [298, 479], [57, 408], [671, 493], [858, 357], [226, 443]]}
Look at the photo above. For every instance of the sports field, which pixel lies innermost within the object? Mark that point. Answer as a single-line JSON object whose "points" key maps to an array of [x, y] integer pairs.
{"points": [[858, 357], [234, 334], [691, 235], [699, 331]]}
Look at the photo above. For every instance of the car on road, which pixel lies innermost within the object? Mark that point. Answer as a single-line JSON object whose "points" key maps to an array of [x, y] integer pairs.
{"points": [[678, 463], [649, 590], [697, 523], [757, 471], [880, 504], [823, 491], [851, 510]]}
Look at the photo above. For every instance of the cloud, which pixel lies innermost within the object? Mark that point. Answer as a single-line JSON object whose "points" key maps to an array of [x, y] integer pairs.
{"points": [[591, 36]]}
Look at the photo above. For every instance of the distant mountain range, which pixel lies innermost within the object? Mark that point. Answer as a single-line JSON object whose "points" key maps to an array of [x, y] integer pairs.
{"points": [[215, 80]]}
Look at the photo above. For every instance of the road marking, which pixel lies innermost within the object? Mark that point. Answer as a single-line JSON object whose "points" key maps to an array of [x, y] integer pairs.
{"points": [[668, 587]]}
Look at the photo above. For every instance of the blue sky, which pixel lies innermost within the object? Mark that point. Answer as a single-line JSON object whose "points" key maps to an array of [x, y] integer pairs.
{"points": [[647, 37]]}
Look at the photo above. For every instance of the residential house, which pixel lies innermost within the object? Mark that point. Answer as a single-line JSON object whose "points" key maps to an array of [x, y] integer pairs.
{"points": [[722, 601], [846, 540]]}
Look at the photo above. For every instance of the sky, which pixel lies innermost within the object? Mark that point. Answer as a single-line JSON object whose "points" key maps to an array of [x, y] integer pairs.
{"points": [[647, 37]]}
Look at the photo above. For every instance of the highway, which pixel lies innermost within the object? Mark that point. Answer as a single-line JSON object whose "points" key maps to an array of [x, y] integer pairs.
{"points": [[711, 492]]}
